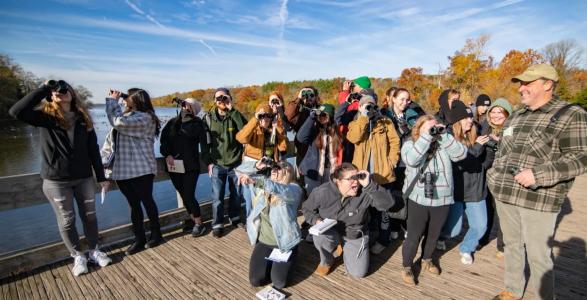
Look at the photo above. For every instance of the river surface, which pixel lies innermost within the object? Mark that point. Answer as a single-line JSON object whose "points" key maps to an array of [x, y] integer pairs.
{"points": [[20, 154]]}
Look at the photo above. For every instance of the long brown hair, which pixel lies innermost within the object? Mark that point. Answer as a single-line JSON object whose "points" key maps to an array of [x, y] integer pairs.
{"points": [[332, 132], [77, 106], [466, 138], [141, 101], [416, 129]]}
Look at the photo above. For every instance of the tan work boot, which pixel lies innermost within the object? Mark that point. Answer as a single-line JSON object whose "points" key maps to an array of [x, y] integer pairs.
{"points": [[408, 276], [505, 295], [322, 270], [429, 266]]}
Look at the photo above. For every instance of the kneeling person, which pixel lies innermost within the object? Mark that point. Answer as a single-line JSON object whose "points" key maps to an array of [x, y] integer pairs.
{"points": [[346, 199]]}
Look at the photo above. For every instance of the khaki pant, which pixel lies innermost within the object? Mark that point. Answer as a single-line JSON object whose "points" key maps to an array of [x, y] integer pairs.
{"points": [[532, 229]]}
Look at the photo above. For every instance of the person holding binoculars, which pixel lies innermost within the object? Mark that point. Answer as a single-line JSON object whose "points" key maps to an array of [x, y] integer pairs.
{"points": [[262, 140], [130, 157], [222, 156], [320, 133], [180, 139], [428, 190], [377, 148], [470, 189], [445, 101], [67, 136], [347, 199], [297, 111], [272, 225], [276, 103]]}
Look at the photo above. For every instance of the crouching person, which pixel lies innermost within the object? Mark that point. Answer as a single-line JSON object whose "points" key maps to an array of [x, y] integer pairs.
{"points": [[272, 225], [358, 192]]}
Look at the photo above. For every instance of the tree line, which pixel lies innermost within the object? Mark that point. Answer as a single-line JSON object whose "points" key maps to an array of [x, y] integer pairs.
{"points": [[471, 70]]}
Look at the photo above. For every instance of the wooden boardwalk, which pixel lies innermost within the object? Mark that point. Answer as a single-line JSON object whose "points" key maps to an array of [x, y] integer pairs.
{"points": [[210, 268]]}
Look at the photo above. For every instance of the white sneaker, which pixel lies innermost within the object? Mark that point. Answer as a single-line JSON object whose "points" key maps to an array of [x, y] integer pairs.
{"points": [[466, 258], [394, 235], [377, 248], [441, 245], [100, 258], [80, 265]]}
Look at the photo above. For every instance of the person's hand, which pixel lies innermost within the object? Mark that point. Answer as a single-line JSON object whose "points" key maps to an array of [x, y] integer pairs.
{"points": [[245, 179], [364, 182], [114, 94], [260, 165], [425, 128], [482, 139], [318, 221], [210, 167], [169, 160], [525, 178], [494, 137], [228, 104], [106, 184], [346, 86]]}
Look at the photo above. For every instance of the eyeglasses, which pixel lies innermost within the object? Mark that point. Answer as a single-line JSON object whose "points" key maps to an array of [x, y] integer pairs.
{"points": [[222, 98], [358, 176], [266, 116]]}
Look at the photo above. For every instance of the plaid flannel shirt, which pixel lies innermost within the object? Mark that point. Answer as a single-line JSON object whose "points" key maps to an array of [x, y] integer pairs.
{"points": [[556, 153], [134, 148]]}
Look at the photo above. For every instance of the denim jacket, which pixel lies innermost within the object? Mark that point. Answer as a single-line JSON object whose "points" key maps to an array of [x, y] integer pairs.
{"points": [[282, 215]]}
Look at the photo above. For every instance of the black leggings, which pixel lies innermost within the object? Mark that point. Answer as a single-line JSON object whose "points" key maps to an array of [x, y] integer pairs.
{"points": [[421, 219], [262, 271], [185, 184], [137, 190]]}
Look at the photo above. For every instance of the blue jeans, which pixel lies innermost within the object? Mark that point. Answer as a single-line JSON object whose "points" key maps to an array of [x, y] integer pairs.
{"points": [[477, 219], [219, 177], [247, 194]]}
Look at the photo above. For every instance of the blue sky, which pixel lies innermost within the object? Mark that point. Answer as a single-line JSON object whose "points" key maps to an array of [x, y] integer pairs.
{"points": [[168, 46]]}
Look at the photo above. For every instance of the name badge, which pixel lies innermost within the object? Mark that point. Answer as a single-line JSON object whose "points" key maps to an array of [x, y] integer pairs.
{"points": [[508, 131]]}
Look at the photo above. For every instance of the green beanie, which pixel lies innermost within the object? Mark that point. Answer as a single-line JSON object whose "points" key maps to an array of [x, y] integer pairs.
{"points": [[327, 108], [503, 103], [363, 82]]}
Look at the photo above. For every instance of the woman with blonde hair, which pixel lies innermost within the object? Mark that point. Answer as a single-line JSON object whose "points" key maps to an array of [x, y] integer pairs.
{"points": [[272, 225], [428, 190], [470, 189], [70, 153]]}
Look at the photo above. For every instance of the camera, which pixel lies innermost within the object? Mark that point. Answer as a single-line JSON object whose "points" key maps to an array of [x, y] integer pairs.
{"points": [[428, 180], [437, 130], [492, 144]]}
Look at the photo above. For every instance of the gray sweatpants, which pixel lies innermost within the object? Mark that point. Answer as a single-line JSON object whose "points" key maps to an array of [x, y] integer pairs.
{"points": [[355, 252], [61, 194]]}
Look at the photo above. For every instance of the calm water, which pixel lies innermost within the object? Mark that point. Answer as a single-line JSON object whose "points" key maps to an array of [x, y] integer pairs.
{"points": [[20, 154]]}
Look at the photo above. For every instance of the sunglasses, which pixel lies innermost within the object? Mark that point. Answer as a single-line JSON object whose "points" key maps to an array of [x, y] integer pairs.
{"points": [[222, 98], [359, 176], [266, 116]]}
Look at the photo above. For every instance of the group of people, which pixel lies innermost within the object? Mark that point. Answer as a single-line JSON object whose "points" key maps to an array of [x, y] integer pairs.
{"points": [[380, 168]]}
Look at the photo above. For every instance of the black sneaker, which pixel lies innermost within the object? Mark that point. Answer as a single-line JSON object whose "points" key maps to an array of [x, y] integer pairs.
{"points": [[188, 225], [217, 232], [198, 230], [135, 248], [154, 241]]}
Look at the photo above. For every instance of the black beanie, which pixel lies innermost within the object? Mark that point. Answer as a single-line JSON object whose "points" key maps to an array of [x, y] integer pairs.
{"points": [[483, 100], [459, 111]]}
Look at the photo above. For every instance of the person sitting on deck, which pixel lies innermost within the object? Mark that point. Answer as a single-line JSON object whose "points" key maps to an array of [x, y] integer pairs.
{"points": [[272, 225], [67, 136], [347, 199]]}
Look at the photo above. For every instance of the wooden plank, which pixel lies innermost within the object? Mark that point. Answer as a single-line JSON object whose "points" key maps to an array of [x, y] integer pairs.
{"points": [[50, 283]]}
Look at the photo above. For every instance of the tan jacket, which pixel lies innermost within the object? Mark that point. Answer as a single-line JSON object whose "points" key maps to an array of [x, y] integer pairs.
{"points": [[252, 135], [382, 143]]}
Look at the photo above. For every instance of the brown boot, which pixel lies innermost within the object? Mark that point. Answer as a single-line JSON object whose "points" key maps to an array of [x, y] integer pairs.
{"points": [[322, 270], [505, 295], [429, 266], [408, 276], [338, 251]]}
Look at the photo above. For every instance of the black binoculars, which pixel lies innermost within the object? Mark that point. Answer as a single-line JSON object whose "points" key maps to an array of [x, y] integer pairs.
{"points": [[359, 176], [222, 98], [58, 86], [263, 116], [275, 101], [179, 101], [437, 130], [355, 96], [307, 94]]}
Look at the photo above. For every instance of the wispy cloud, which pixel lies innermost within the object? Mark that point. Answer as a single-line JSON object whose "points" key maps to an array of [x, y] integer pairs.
{"points": [[283, 14], [141, 12], [208, 46]]}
